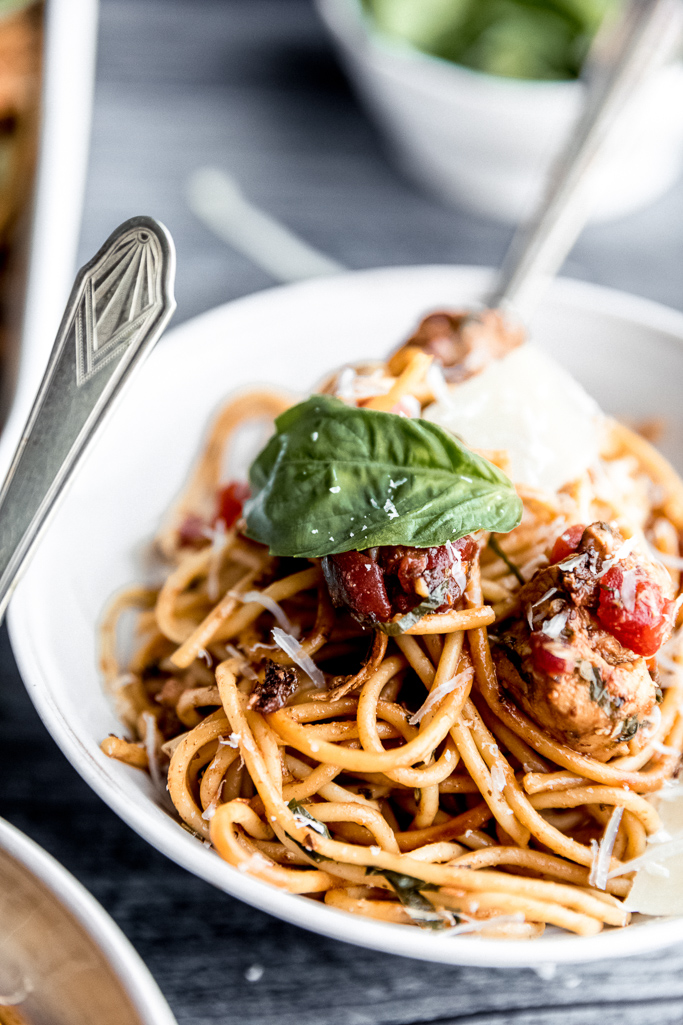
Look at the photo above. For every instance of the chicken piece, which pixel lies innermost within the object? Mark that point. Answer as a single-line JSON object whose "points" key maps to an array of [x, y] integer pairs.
{"points": [[382, 584], [575, 661], [462, 342], [630, 594], [579, 683]]}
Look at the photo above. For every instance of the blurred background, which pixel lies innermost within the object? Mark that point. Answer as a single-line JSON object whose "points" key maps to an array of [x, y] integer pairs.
{"points": [[351, 125], [256, 88]]}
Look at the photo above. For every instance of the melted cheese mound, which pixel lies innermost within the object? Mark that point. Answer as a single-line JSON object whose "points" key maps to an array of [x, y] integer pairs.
{"points": [[529, 405]]}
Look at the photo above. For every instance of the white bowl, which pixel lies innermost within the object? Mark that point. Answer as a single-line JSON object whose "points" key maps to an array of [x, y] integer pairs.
{"points": [[627, 351], [488, 142], [59, 947]]}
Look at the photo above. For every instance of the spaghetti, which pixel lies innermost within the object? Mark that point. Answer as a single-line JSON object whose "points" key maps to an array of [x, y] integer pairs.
{"points": [[395, 772]]}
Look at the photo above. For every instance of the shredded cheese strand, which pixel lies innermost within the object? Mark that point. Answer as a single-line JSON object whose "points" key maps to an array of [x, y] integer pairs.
{"points": [[435, 696], [270, 605], [603, 851], [660, 852], [290, 645]]}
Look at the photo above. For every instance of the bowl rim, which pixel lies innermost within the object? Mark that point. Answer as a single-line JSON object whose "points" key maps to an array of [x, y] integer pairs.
{"points": [[129, 968], [167, 836]]}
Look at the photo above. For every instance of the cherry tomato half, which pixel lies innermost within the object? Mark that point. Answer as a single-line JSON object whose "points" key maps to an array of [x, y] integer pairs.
{"points": [[545, 660], [231, 501], [567, 543], [642, 626]]}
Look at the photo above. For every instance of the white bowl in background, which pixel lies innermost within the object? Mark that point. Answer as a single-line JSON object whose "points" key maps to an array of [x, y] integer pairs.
{"points": [[488, 142], [61, 949], [626, 351]]}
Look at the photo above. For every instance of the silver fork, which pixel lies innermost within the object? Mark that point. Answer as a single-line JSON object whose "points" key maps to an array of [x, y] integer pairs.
{"points": [[120, 304]]}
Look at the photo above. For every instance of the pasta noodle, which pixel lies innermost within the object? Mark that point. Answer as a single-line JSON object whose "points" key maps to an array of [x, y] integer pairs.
{"points": [[409, 787]]}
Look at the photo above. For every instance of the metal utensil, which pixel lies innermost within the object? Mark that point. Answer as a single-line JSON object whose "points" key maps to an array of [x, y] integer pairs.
{"points": [[217, 200], [643, 40], [120, 303]]}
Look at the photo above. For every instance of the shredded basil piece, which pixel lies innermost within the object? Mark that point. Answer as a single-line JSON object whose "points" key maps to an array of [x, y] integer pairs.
{"points": [[297, 808], [493, 544], [629, 729], [336, 478], [407, 889], [597, 690], [315, 824]]}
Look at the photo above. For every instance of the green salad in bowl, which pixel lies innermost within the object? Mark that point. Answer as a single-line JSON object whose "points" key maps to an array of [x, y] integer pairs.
{"points": [[531, 39]]}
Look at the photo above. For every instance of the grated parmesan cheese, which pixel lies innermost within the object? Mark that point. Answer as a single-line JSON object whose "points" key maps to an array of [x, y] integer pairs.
{"points": [[390, 509], [530, 608], [352, 387], [306, 823], [244, 664], [457, 572], [232, 741], [628, 590], [210, 809], [268, 603], [622, 551], [218, 537], [602, 852], [461, 680], [661, 852], [150, 741], [553, 627], [290, 645], [498, 777], [529, 405], [468, 924]]}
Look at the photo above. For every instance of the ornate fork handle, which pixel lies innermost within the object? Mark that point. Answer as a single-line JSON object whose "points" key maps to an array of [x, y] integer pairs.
{"points": [[119, 306]]}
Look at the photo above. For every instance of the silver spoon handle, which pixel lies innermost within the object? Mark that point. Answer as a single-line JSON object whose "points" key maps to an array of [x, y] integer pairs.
{"points": [[645, 40], [120, 304]]}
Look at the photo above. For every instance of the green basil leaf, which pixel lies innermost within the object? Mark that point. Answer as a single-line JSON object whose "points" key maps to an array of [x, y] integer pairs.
{"points": [[299, 811], [335, 478], [629, 729], [311, 822], [407, 889], [495, 547], [402, 884], [597, 689]]}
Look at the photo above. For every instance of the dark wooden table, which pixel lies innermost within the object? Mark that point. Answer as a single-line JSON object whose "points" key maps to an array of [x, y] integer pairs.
{"points": [[252, 86]]}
